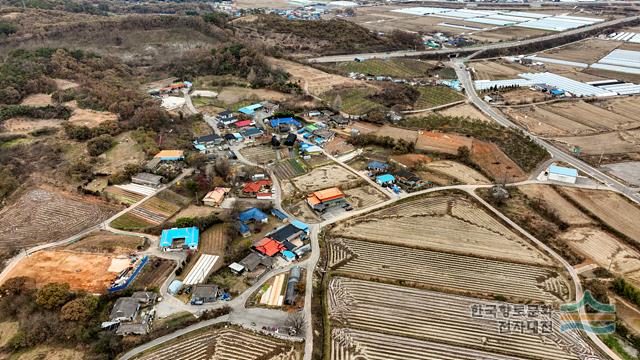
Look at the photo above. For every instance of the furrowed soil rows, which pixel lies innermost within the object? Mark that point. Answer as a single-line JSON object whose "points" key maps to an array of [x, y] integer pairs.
{"points": [[259, 154], [288, 169], [154, 211], [429, 269], [43, 216], [213, 240], [564, 209], [364, 196], [442, 318], [603, 249], [458, 171], [122, 195], [324, 177], [449, 223], [224, 344], [611, 208]]}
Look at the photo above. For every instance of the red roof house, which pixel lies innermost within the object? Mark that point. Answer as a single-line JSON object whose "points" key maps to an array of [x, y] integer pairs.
{"points": [[269, 247], [256, 186], [242, 123]]}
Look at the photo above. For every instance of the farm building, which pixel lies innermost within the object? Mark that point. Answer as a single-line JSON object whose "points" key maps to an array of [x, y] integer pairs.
{"points": [[253, 214], [377, 167], [251, 109], [170, 155], [290, 140], [256, 187], [242, 123], [203, 143], [323, 199], [252, 261], [288, 255], [147, 179], [180, 239], [215, 196], [408, 178], [236, 268], [325, 135], [287, 232], [268, 247], [284, 121], [385, 179], [202, 294], [252, 133], [562, 174], [310, 149], [174, 287], [292, 283], [279, 214], [145, 297], [125, 309], [339, 121], [201, 270]]}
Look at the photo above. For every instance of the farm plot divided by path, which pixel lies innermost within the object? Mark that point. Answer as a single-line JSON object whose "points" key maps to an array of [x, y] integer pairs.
{"points": [[435, 270], [43, 216], [446, 223], [405, 313], [224, 344], [565, 210], [154, 211], [288, 169]]}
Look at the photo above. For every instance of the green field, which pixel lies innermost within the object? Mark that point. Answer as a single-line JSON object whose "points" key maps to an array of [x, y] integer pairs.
{"points": [[129, 222], [431, 96], [401, 68], [355, 101]]}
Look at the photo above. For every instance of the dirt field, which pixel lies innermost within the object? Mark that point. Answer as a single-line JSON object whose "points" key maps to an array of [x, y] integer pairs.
{"points": [[621, 142], [127, 151], [124, 196], [63, 84], [106, 242], [397, 133], [508, 33], [565, 210], [462, 173], [49, 353], [444, 223], [524, 96], [195, 211], [588, 51], [495, 162], [411, 160], [601, 247], [153, 274], [338, 146], [288, 169], [628, 172], [464, 110], [82, 271], [234, 94], [315, 81], [441, 142], [213, 240], [41, 216], [87, 117], [25, 125], [324, 177], [628, 314], [494, 70], [7, 330], [611, 208], [37, 100], [154, 211], [364, 196], [259, 154]]}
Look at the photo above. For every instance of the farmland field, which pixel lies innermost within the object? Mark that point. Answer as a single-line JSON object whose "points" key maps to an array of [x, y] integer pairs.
{"points": [[613, 209], [492, 70], [224, 344], [399, 68], [364, 196], [355, 100], [259, 154], [602, 248], [43, 216], [397, 133], [154, 211], [564, 209], [104, 241], [324, 177], [288, 169], [432, 96], [442, 271], [154, 273], [445, 223], [81, 270], [458, 171], [407, 315], [586, 51], [464, 110], [431, 141], [316, 81], [495, 162], [122, 195], [213, 240], [620, 142]]}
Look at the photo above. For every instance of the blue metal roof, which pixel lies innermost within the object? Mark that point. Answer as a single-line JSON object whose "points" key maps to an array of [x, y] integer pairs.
{"points": [[190, 235], [300, 225], [252, 214], [554, 169], [244, 229], [289, 255], [386, 178], [377, 165], [279, 214], [249, 110], [287, 121], [175, 286]]}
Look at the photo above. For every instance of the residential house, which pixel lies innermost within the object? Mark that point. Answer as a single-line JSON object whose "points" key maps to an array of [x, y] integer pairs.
{"points": [[226, 117], [145, 297], [204, 293], [256, 187], [215, 197], [147, 179], [253, 214], [408, 178], [290, 140], [268, 247], [207, 142], [124, 309], [324, 199], [252, 261], [377, 167]]}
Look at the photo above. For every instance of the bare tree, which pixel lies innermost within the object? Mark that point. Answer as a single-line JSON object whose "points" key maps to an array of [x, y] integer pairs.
{"points": [[297, 322]]}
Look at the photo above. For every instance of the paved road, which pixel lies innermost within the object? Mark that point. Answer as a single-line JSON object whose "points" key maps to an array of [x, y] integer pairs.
{"points": [[557, 154], [445, 52]]}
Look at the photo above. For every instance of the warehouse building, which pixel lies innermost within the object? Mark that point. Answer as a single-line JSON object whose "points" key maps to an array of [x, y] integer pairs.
{"points": [[180, 239], [146, 179], [562, 174], [324, 199]]}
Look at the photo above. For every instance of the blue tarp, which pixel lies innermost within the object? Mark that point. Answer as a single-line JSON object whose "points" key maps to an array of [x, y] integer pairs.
{"points": [[287, 121], [279, 214], [300, 225], [190, 235], [249, 110], [252, 214]]}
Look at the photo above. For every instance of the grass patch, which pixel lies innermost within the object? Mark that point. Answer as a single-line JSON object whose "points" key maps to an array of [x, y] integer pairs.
{"points": [[129, 222], [612, 342], [432, 96], [15, 142], [355, 101], [400, 68]]}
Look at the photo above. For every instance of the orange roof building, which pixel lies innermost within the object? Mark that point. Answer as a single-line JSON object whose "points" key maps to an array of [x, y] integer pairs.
{"points": [[269, 247], [256, 186], [167, 155], [322, 199], [215, 197]]}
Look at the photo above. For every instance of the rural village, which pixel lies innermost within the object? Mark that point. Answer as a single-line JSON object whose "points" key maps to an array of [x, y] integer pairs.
{"points": [[330, 180]]}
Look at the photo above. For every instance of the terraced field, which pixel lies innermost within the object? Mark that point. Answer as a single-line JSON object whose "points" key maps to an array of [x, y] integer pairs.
{"points": [[364, 196], [224, 344], [43, 216], [432, 96], [446, 223], [387, 321], [122, 195], [603, 249], [565, 210], [154, 211], [355, 101], [442, 271], [288, 169]]}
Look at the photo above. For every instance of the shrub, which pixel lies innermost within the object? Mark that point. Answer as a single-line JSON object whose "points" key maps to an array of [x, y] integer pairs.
{"points": [[100, 144]]}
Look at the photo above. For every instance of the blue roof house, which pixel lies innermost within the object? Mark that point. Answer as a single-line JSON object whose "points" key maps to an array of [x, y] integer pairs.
{"points": [[249, 110], [279, 214], [253, 214], [377, 166], [300, 225], [385, 179], [284, 121], [180, 239]]}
